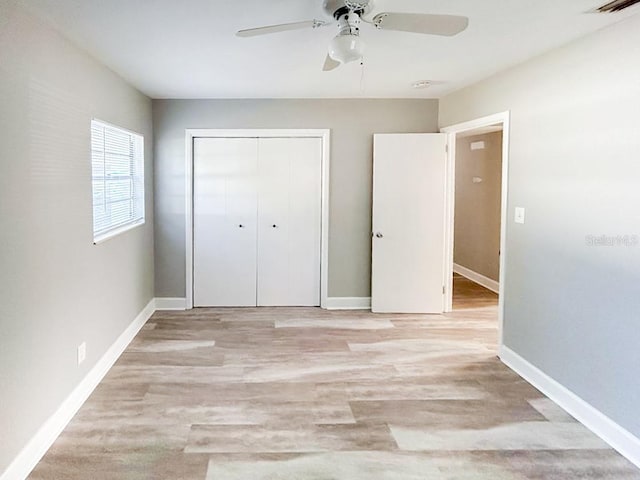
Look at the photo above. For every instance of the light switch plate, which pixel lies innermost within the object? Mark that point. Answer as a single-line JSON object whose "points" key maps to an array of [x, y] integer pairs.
{"points": [[519, 215]]}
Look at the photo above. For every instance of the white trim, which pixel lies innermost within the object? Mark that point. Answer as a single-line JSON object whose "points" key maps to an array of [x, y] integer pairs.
{"points": [[616, 436], [33, 452], [505, 119], [476, 277], [171, 303], [324, 245], [188, 196], [324, 134], [348, 303], [117, 231], [117, 127], [449, 223]]}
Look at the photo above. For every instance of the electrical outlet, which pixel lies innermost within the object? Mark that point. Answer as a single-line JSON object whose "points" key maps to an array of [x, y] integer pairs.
{"points": [[82, 352], [519, 217]]}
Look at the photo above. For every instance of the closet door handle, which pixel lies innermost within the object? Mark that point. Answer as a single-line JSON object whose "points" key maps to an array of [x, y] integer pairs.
{"points": [[240, 226], [275, 226]]}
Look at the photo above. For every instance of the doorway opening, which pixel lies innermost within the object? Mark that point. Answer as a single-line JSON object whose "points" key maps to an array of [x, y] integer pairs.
{"points": [[476, 214]]}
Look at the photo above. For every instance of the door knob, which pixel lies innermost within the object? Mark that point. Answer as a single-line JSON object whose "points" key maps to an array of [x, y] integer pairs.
{"points": [[275, 226], [379, 235], [240, 226]]}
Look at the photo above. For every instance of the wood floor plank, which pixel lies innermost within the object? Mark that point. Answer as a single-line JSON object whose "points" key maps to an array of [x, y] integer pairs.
{"points": [[294, 438], [436, 415], [539, 435]]}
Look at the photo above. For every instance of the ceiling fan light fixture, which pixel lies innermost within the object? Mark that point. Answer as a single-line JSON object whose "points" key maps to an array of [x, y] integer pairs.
{"points": [[346, 48]]}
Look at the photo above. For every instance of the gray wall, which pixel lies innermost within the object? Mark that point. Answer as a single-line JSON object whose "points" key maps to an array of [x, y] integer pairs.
{"points": [[352, 124], [573, 310], [478, 205], [56, 288]]}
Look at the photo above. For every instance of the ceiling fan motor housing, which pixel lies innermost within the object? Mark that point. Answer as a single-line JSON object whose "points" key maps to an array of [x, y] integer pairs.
{"points": [[338, 8], [349, 24]]}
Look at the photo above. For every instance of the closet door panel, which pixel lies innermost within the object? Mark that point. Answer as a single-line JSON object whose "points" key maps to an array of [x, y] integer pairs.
{"points": [[273, 223], [225, 214], [289, 221], [306, 221]]}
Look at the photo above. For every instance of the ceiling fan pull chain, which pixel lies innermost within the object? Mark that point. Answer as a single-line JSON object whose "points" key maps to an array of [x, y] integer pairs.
{"points": [[362, 86]]}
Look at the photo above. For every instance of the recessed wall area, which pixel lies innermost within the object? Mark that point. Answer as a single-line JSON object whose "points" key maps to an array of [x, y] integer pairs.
{"points": [[352, 124]]}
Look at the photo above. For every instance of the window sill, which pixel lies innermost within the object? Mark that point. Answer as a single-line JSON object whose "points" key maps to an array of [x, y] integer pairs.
{"points": [[116, 231]]}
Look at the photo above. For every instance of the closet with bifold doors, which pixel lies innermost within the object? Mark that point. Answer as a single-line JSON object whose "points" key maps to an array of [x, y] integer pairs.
{"points": [[257, 215]]}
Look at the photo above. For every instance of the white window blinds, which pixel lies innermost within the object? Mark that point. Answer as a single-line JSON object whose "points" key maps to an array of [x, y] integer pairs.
{"points": [[117, 160]]}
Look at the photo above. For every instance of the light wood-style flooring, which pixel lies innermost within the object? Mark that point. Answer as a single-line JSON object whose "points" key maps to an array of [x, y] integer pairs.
{"points": [[306, 394], [469, 295]]}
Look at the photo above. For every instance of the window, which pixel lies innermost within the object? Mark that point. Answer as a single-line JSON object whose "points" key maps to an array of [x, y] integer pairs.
{"points": [[117, 163]]}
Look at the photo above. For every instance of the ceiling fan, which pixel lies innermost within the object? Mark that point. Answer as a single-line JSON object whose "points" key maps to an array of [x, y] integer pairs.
{"points": [[347, 46]]}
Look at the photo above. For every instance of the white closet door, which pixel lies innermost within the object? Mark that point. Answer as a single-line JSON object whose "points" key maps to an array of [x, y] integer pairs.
{"points": [[225, 214], [289, 221]]}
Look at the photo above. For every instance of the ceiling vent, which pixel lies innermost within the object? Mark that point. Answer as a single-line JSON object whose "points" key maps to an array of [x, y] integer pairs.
{"points": [[617, 5]]}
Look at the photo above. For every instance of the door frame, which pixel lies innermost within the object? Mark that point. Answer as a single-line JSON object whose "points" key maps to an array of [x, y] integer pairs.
{"points": [[503, 118], [323, 134]]}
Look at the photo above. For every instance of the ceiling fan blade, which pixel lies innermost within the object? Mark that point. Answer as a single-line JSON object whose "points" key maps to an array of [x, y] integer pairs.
{"points": [[330, 64], [447, 25], [284, 27]]}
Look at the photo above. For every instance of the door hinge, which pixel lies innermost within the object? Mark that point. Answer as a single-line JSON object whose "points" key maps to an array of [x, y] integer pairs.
{"points": [[446, 148], [444, 289]]}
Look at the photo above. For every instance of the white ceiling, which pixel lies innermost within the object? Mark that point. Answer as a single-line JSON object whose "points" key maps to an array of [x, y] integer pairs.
{"points": [[187, 48]]}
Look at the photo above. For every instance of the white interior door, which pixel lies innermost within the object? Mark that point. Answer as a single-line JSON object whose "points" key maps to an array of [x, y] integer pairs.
{"points": [[408, 223], [289, 221], [225, 221]]}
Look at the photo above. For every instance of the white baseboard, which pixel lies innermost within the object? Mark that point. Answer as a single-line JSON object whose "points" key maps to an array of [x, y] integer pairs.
{"points": [[486, 282], [349, 303], [171, 303], [620, 439], [33, 452]]}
